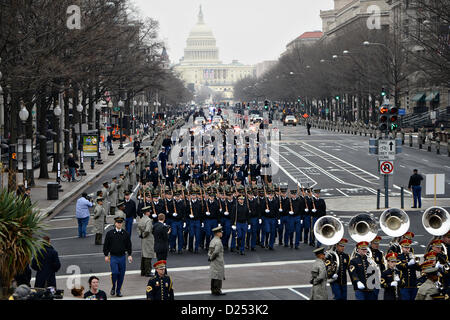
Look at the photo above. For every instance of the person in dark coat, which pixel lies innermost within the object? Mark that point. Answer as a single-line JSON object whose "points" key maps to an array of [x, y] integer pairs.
{"points": [[46, 263], [308, 127], [72, 166], [161, 233], [136, 147], [416, 188], [130, 212]]}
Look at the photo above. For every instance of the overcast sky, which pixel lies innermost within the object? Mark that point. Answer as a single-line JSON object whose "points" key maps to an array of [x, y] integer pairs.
{"points": [[250, 31]]}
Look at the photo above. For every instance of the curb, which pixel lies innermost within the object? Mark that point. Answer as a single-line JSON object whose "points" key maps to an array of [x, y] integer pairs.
{"points": [[48, 212]]}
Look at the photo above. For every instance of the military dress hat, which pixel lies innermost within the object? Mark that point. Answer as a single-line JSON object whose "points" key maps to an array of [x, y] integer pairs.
{"points": [[316, 190], [391, 256], [114, 178], [408, 235], [293, 191], [217, 229], [105, 183], [121, 203], [161, 264], [362, 245], [342, 242], [127, 193], [319, 251], [122, 175], [377, 239], [146, 209], [241, 197], [99, 199], [430, 256], [118, 219], [436, 243], [405, 243]]}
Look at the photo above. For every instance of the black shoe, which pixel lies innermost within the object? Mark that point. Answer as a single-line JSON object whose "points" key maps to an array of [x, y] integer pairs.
{"points": [[113, 292], [414, 207], [292, 245], [180, 252], [242, 253], [311, 244], [271, 249], [190, 250], [262, 246], [280, 243], [296, 248], [221, 293], [232, 250], [118, 295], [253, 249], [286, 246], [196, 251]]}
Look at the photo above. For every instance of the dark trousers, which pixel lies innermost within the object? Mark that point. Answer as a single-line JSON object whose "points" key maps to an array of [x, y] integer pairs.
{"points": [[417, 190], [146, 266], [339, 291], [216, 286], [118, 267], [82, 226]]}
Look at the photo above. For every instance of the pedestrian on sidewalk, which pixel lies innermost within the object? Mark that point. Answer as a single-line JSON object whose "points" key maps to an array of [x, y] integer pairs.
{"points": [[117, 245], [136, 147], [109, 142], [94, 293], [82, 214], [145, 232], [414, 185], [99, 221], [46, 263], [72, 166], [217, 264], [308, 128]]}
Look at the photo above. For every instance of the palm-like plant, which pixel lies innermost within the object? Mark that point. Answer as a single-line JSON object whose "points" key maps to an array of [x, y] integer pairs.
{"points": [[21, 230]]}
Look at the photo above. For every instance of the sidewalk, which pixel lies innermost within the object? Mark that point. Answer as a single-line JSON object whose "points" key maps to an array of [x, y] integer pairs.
{"points": [[39, 191]]}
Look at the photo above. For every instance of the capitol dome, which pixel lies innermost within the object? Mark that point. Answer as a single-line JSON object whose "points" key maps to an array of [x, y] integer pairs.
{"points": [[201, 44]]}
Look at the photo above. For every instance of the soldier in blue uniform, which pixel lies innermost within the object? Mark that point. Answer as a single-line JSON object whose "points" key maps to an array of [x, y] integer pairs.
{"points": [[270, 219], [240, 218], [211, 216], [390, 278], [178, 219], [378, 257], [254, 220], [160, 287], [321, 210], [359, 273], [195, 216]]}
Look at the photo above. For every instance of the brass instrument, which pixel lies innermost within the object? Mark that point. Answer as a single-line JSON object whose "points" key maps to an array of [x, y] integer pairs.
{"points": [[329, 230], [394, 222], [436, 221]]}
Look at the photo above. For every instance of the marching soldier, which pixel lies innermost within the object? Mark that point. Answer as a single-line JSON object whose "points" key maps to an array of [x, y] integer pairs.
{"points": [[99, 221], [227, 206], [359, 273], [378, 257], [283, 227], [339, 277], [240, 225], [126, 178], [105, 191], [113, 196], [121, 187], [160, 287], [195, 217], [254, 220], [390, 278], [119, 213], [307, 219], [270, 219], [321, 209], [408, 267], [211, 216], [298, 208], [145, 232], [157, 206], [178, 223], [133, 177]]}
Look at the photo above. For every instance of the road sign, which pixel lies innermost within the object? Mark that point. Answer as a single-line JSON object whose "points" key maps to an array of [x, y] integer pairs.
{"points": [[387, 167], [386, 150], [401, 112], [435, 184]]}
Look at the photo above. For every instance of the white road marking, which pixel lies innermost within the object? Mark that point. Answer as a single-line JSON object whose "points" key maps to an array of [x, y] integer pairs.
{"points": [[404, 189], [300, 294], [75, 237], [343, 193]]}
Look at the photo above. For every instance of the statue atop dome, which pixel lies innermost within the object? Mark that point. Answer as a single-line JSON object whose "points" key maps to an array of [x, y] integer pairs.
{"points": [[200, 16]]}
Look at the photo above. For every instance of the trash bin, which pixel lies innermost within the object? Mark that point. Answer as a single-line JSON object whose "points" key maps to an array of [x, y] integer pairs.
{"points": [[52, 191]]}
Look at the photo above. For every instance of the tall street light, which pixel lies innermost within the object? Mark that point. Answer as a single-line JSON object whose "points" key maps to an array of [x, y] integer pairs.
{"points": [[98, 107], [81, 171], [121, 104], [57, 112], [110, 108], [23, 115]]}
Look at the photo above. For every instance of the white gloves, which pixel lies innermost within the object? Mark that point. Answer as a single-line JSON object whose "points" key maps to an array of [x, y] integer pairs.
{"points": [[360, 285], [134, 220], [411, 262], [191, 216], [314, 210], [226, 213], [301, 221], [279, 221], [175, 214], [291, 212], [184, 225], [306, 210], [219, 225], [335, 276], [203, 225], [207, 213], [394, 283], [154, 215], [249, 227], [233, 227], [439, 265], [280, 210], [397, 278], [260, 221], [267, 210]]}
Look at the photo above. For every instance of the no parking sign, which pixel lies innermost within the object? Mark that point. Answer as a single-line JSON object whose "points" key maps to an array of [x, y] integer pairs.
{"points": [[387, 167]]}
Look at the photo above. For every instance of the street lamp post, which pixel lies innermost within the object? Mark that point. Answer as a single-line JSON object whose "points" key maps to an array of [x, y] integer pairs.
{"points": [[98, 107], [81, 171], [133, 127], [121, 104], [23, 115], [110, 108], [57, 112]]}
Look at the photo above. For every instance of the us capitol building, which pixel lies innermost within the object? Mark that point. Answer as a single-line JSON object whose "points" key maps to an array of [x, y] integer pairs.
{"points": [[201, 67]]}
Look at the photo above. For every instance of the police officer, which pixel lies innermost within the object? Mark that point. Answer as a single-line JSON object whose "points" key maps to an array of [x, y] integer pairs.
{"points": [[359, 272], [339, 278], [160, 287], [117, 245]]}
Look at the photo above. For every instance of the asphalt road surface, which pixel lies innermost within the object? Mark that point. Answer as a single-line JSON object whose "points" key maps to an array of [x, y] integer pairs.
{"points": [[339, 164]]}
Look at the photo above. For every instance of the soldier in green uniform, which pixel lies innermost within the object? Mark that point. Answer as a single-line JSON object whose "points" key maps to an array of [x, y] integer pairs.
{"points": [[99, 221], [160, 287], [429, 290], [145, 232]]}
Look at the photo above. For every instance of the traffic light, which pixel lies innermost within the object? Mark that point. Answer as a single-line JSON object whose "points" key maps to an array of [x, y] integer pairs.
{"points": [[383, 118], [299, 100], [393, 118], [266, 105], [337, 98], [383, 92]]}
